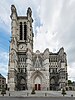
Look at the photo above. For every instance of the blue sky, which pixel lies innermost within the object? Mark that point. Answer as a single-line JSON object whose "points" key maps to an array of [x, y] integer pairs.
{"points": [[53, 27]]}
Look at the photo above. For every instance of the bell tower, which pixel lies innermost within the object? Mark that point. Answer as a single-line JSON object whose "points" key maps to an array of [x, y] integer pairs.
{"points": [[21, 48], [25, 32]]}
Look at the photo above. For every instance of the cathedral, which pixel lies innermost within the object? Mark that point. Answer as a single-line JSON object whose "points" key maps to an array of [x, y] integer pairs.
{"points": [[28, 69]]}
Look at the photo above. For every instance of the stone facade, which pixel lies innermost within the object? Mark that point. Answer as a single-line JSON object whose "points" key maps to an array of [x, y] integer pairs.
{"points": [[2, 82], [43, 71]]}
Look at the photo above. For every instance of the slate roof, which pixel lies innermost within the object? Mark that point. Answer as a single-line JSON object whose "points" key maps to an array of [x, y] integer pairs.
{"points": [[1, 76]]}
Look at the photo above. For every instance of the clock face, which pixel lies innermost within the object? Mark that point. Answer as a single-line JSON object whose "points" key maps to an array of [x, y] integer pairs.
{"points": [[22, 47]]}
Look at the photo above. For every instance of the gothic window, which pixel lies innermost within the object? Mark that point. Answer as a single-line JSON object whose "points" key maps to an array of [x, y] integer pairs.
{"points": [[21, 31], [56, 69], [52, 81], [25, 31], [21, 59], [19, 69], [25, 69], [49, 70], [49, 59]]}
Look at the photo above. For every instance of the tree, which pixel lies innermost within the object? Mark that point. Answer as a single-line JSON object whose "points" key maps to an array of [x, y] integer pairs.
{"points": [[3, 91], [63, 92], [33, 91], [69, 82]]}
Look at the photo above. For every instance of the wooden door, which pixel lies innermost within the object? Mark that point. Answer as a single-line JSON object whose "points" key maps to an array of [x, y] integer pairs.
{"points": [[35, 86], [39, 86]]}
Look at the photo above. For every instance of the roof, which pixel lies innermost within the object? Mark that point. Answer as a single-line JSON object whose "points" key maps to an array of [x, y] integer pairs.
{"points": [[1, 76]]}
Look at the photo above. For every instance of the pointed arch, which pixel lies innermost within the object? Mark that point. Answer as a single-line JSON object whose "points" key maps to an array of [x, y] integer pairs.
{"points": [[37, 63], [25, 31], [21, 31]]}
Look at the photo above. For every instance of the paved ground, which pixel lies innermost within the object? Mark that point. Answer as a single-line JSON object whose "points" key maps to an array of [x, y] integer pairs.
{"points": [[39, 94], [26, 94], [37, 98]]}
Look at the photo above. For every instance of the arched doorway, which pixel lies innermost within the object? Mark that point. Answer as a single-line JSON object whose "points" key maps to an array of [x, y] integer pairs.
{"points": [[37, 82], [22, 84], [52, 84]]}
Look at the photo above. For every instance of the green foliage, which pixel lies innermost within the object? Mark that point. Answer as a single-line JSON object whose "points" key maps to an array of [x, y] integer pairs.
{"points": [[69, 82], [33, 91], [63, 92], [3, 91]]}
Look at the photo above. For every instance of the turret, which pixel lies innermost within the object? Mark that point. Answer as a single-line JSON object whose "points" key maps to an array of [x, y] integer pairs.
{"points": [[13, 12], [29, 12], [30, 29], [29, 16], [14, 20]]}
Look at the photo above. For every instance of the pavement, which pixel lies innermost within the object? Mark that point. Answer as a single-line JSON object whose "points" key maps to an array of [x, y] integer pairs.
{"points": [[38, 94], [38, 98]]}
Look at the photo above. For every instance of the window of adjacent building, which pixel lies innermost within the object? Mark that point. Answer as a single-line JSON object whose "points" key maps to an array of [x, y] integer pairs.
{"points": [[21, 31], [2, 81], [2, 86], [25, 31]]}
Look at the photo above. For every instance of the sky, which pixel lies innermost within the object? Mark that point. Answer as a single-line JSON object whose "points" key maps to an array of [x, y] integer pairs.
{"points": [[53, 27]]}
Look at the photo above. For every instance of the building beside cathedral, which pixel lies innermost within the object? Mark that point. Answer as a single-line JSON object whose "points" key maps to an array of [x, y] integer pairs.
{"points": [[26, 69]]}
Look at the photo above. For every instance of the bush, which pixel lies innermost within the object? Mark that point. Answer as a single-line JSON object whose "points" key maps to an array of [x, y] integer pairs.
{"points": [[63, 92], [33, 91], [3, 91]]}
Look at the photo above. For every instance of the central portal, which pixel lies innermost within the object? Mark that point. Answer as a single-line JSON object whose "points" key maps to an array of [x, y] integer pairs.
{"points": [[37, 86], [37, 83]]}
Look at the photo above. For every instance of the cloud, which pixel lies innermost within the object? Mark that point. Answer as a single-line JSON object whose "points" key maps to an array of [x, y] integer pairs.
{"points": [[53, 26], [3, 63], [5, 15], [71, 72]]}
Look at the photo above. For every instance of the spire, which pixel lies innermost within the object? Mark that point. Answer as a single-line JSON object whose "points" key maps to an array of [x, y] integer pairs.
{"points": [[29, 12], [13, 11], [13, 8]]}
